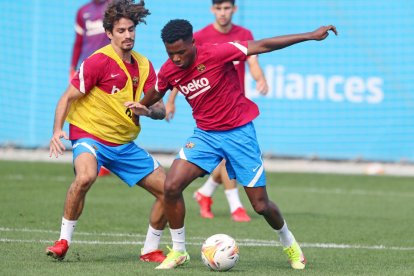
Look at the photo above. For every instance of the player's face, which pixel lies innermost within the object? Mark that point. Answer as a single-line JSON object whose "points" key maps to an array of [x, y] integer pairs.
{"points": [[182, 53], [223, 13], [123, 35]]}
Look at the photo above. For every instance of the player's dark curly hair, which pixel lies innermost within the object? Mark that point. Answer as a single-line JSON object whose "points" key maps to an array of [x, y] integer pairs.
{"points": [[175, 30], [118, 9], [222, 1]]}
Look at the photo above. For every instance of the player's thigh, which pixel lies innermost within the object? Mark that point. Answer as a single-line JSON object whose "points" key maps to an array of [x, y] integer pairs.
{"points": [[93, 147], [257, 194], [131, 163], [154, 182], [85, 161], [181, 174], [202, 149], [244, 157]]}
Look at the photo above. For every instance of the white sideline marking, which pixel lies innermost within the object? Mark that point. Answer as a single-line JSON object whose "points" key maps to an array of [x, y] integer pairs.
{"points": [[198, 242], [21, 177], [5, 229]]}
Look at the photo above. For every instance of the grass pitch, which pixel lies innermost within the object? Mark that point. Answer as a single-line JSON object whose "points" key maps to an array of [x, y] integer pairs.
{"points": [[347, 225]]}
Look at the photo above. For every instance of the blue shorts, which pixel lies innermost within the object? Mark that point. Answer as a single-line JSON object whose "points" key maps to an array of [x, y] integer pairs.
{"points": [[237, 146], [129, 162]]}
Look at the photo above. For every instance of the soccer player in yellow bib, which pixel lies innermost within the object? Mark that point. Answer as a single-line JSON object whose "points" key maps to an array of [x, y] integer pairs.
{"points": [[102, 128]]}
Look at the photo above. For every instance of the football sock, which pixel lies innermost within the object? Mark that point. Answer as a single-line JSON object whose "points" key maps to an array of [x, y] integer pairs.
{"points": [[233, 199], [178, 238], [286, 237], [152, 240], [209, 187], [67, 229]]}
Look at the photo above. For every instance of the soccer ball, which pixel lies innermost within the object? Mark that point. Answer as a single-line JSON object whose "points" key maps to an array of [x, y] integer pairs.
{"points": [[220, 252]]}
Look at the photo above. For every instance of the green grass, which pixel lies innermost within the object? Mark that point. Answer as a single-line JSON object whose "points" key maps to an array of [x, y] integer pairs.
{"points": [[371, 216]]}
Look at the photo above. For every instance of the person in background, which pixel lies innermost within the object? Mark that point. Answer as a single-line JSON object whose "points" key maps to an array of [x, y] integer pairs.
{"points": [[223, 30], [89, 32], [224, 116], [102, 128]]}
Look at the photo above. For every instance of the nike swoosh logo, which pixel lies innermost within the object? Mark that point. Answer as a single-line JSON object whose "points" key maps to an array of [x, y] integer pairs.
{"points": [[177, 80], [157, 234], [255, 169], [114, 75], [179, 233]]}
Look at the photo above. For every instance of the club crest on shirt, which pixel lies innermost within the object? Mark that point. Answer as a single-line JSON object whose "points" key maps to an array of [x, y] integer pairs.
{"points": [[135, 81], [190, 145], [201, 67]]}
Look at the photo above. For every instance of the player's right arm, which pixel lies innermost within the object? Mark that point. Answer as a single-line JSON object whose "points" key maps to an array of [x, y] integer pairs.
{"points": [[71, 94], [170, 105], [280, 42], [257, 74]]}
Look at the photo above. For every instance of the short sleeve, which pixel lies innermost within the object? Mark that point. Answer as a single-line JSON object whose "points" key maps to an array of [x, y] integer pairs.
{"points": [[152, 78], [89, 73], [230, 51], [162, 84]]}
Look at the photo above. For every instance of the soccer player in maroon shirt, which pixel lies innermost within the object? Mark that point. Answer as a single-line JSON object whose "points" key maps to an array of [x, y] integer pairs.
{"points": [[223, 30], [90, 34], [205, 75]]}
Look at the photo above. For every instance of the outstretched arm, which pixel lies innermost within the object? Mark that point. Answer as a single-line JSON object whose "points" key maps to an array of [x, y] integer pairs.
{"points": [[279, 42]]}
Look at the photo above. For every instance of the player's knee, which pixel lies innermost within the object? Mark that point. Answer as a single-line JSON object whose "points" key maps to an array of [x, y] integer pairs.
{"points": [[83, 182], [172, 189], [260, 207]]}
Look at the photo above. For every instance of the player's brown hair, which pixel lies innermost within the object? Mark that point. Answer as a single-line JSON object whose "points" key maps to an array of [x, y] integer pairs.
{"points": [[118, 9]]}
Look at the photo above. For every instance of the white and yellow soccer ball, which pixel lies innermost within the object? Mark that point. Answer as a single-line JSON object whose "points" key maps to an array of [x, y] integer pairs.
{"points": [[220, 252]]}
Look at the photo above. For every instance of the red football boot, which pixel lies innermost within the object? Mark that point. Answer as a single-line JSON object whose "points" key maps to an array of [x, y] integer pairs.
{"points": [[58, 251]]}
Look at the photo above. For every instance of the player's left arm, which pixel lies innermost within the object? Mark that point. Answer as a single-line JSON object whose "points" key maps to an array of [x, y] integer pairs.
{"points": [[155, 111], [151, 105], [257, 74], [279, 42]]}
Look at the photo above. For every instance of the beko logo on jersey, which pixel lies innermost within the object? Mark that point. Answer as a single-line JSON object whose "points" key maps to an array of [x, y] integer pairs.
{"points": [[201, 86]]}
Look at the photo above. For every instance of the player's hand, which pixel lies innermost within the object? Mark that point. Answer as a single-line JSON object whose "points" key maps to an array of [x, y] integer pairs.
{"points": [[262, 87], [138, 109], [169, 111], [322, 32], [56, 146]]}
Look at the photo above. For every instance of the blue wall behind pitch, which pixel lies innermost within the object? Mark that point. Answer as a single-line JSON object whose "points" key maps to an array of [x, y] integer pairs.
{"points": [[347, 97]]}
